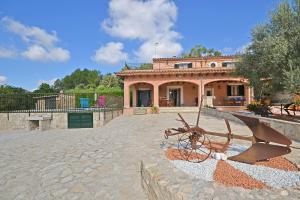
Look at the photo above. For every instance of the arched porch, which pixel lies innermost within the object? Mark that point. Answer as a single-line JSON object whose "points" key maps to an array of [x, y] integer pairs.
{"points": [[227, 93], [178, 94], [141, 94]]}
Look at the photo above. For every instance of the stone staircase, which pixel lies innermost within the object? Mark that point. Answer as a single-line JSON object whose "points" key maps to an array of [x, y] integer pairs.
{"points": [[178, 109], [140, 111]]}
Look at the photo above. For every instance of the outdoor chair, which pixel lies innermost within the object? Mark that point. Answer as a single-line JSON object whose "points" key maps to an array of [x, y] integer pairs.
{"points": [[101, 101]]}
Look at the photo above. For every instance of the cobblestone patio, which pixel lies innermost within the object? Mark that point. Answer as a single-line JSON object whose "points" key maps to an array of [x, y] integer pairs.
{"points": [[102, 163]]}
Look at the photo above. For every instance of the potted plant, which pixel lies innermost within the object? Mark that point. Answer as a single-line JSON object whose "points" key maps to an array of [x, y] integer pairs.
{"points": [[154, 110], [297, 104]]}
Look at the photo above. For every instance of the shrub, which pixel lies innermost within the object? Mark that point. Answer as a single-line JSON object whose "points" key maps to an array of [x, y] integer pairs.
{"points": [[154, 109], [259, 109]]}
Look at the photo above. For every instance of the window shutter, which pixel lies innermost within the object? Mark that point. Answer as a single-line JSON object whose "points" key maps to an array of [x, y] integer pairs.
{"points": [[241, 91], [229, 90]]}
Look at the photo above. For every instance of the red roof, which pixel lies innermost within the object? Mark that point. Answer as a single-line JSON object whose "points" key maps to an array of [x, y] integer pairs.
{"points": [[196, 58], [167, 71]]}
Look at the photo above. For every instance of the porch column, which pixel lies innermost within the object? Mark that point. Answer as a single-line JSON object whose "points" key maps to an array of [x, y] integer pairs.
{"points": [[155, 95], [249, 94], [200, 92], [134, 97], [126, 96]]}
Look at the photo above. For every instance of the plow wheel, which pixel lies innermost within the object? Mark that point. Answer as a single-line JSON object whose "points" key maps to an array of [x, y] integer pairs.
{"points": [[194, 147]]}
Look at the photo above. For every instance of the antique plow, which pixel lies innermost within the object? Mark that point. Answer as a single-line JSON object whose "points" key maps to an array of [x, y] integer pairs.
{"points": [[194, 144]]}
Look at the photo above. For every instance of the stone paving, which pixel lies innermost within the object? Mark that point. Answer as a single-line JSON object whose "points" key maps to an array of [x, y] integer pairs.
{"points": [[101, 163]]}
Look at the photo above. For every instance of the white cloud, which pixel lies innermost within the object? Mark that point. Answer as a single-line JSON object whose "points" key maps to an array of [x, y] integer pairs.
{"points": [[30, 34], [41, 44], [7, 53], [149, 21], [112, 53], [165, 48], [39, 53], [50, 82], [3, 80]]}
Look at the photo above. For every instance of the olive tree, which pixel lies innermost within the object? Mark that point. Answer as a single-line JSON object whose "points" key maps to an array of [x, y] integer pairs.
{"points": [[271, 62]]}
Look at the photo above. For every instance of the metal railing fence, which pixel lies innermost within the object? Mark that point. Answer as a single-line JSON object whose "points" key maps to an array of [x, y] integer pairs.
{"points": [[58, 102]]}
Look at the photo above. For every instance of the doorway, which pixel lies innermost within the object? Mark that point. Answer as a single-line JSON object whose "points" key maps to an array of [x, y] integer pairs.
{"points": [[174, 96], [144, 98], [209, 97], [209, 92]]}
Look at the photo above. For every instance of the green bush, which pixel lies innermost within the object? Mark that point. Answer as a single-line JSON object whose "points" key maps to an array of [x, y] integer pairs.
{"points": [[113, 91], [259, 109], [154, 109], [297, 102]]}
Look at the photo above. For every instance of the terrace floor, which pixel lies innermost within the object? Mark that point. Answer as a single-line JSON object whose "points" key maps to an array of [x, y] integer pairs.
{"points": [[102, 163]]}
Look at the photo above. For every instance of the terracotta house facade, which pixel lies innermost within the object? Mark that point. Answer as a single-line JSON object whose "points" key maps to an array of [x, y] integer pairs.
{"points": [[182, 82]]}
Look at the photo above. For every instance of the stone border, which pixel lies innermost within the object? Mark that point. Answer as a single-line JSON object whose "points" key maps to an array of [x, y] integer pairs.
{"points": [[157, 185], [163, 181], [289, 129]]}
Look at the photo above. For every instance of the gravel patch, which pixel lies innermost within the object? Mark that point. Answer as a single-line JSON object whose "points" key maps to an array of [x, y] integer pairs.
{"points": [[272, 177], [235, 149], [204, 170]]}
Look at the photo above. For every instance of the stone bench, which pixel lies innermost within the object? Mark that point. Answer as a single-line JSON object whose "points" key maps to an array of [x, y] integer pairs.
{"points": [[41, 123]]}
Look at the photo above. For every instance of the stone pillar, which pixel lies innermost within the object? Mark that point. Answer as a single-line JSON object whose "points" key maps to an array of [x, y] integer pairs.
{"points": [[247, 95], [251, 94], [134, 96], [200, 92], [155, 95], [126, 96]]}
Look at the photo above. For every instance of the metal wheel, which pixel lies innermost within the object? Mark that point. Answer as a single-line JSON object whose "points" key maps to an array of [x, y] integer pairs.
{"points": [[194, 147]]}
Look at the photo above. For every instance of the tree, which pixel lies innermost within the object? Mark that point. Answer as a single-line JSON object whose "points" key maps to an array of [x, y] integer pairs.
{"points": [[126, 67], [58, 85], [140, 67], [7, 89], [110, 80], [85, 77], [14, 98], [145, 66], [199, 51], [274, 52], [44, 88]]}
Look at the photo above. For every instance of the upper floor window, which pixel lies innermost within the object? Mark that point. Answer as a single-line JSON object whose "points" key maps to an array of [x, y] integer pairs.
{"points": [[228, 64], [183, 65]]}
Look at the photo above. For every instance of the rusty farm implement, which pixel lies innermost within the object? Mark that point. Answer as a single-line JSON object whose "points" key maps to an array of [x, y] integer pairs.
{"points": [[194, 144]]}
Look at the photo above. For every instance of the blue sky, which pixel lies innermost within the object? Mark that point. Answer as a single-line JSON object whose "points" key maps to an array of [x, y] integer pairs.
{"points": [[41, 41]]}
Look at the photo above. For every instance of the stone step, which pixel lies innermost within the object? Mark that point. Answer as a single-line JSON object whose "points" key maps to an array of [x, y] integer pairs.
{"points": [[140, 111], [178, 109]]}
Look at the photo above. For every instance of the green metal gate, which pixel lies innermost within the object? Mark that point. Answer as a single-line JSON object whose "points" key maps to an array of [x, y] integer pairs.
{"points": [[80, 120]]}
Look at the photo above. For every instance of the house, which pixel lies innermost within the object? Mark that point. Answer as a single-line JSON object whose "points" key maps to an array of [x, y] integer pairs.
{"points": [[182, 82]]}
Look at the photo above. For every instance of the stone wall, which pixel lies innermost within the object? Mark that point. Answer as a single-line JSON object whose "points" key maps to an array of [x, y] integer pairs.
{"points": [[289, 129], [17, 121], [101, 118]]}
